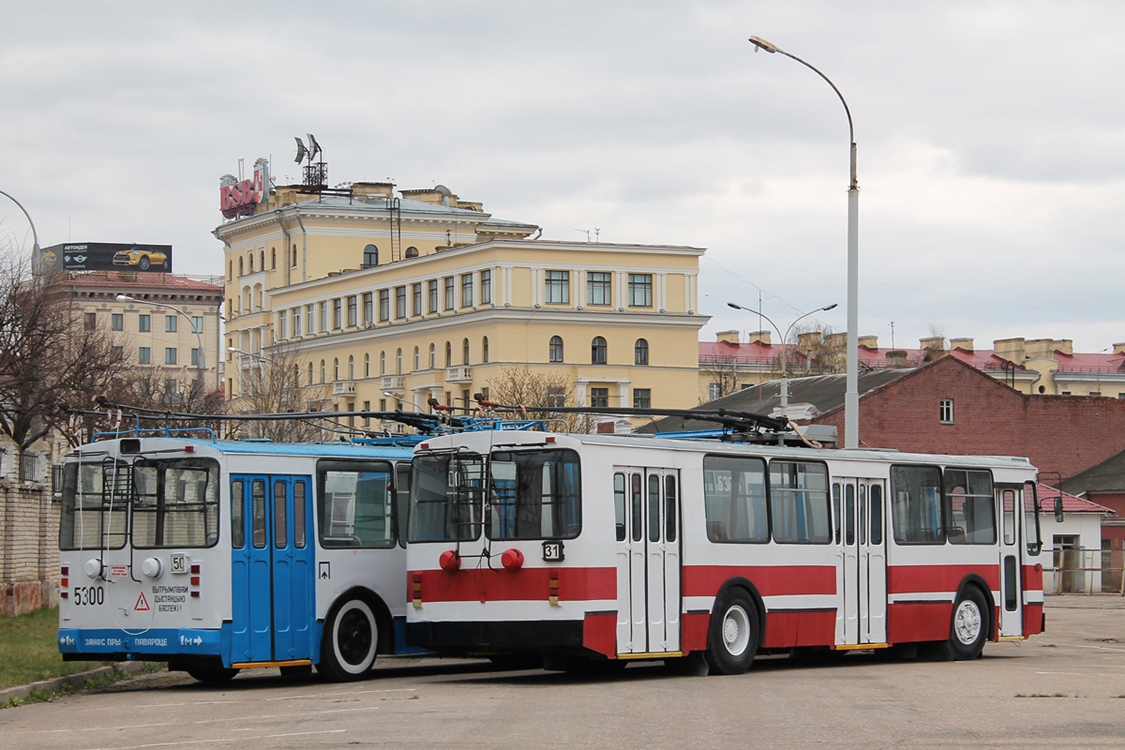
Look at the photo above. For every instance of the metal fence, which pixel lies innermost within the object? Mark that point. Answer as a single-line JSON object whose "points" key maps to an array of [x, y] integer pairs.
{"points": [[1079, 570]]}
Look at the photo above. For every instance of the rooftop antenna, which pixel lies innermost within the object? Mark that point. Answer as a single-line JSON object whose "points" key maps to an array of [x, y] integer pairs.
{"points": [[587, 231], [316, 172], [597, 234]]}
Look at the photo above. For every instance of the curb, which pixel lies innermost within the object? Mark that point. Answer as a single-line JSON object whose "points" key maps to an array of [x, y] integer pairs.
{"points": [[77, 680]]}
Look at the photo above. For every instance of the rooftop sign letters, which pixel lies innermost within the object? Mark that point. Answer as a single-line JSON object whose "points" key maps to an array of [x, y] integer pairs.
{"points": [[239, 197]]}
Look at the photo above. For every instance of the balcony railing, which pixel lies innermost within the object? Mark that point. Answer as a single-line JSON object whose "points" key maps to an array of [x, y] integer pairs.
{"points": [[462, 374], [392, 383]]}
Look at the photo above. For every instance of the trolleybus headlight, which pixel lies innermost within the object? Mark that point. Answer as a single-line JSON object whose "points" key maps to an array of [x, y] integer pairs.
{"points": [[93, 567], [152, 567], [512, 559], [450, 560]]}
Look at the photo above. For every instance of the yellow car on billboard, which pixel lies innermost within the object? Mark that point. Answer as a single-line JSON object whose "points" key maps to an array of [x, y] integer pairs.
{"points": [[143, 260]]}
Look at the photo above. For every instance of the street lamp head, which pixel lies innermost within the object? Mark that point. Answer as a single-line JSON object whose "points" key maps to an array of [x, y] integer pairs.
{"points": [[125, 298], [736, 306], [830, 307], [760, 43]]}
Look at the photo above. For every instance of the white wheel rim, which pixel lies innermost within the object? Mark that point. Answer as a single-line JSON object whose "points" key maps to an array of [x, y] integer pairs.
{"points": [[736, 630], [364, 664], [967, 622]]}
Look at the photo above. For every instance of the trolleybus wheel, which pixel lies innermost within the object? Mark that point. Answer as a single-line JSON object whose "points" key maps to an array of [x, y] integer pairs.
{"points": [[212, 676], [732, 639], [350, 639], [969, 628]]}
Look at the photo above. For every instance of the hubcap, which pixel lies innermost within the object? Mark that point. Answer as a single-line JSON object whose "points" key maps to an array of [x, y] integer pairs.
{"points": [[736, 630], [354, 637], [967, 622]]}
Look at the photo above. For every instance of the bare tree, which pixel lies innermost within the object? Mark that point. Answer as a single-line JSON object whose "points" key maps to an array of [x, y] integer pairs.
{"points": [[722, 372], [49, 357], [271, 384], [522, 386]]}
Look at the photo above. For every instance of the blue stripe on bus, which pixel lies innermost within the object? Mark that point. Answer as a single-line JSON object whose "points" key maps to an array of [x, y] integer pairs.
{"points": [[158, 642]]}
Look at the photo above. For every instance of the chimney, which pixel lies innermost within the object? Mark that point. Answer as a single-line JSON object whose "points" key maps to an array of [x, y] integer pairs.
{"points": [[727, 337], [965, 345], [364, 189], [869, 342], [1064, 346], [896, 359], [1119, 348], [1009, 349], [759, 337], [935, 343], [1038, 348], [836, 342], [810, 342]]}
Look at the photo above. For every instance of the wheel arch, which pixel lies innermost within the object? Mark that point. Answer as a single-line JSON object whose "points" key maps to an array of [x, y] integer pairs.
{"points": [[386, 623], [755, 596], [974, 580]]}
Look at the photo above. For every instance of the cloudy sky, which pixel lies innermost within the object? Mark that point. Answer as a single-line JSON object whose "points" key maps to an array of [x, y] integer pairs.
{"points": [[991, 138]]}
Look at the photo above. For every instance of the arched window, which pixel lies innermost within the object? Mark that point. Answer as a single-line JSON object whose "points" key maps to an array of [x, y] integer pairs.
{"points": [[433, 356], [382, 363], [240, 266], [448, 355], [351, 367], [335, 369], [297, 376], [310, 373], [294, 255], [484, 350], [367, 365], [417, 359], [640, 352], [597, 351], [262, 260], [323, 371], [411, 252], [556, 349], [250, 259], [465, 352], [370, 256], [398, 362], [273, 258], [230, 270]]}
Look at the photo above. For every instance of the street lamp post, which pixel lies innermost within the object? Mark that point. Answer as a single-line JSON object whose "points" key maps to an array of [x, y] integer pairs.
{"points": [[784, 342], [34, 234], [851, 395], [201, 362]]}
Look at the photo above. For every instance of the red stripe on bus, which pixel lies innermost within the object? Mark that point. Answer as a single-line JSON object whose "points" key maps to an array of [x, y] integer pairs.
{"points": [[913, 579], [789, 629], [1033, 578], [919, 621], [599, 633], [525, 584], [770, 580]]}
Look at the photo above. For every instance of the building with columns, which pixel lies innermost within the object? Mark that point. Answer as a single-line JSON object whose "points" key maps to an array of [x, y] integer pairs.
{"points": [[380, 299]]}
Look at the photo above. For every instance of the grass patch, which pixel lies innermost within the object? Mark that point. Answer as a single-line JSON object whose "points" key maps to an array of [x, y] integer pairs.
{"points": [[1042, 695], [29, 649]]}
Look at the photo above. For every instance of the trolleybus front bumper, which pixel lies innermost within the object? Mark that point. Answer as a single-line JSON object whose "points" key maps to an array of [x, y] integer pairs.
{"points": [[158, 644]]}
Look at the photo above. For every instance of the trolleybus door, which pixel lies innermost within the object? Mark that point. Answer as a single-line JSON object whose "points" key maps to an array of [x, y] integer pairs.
{"points": [[647, 509], [863, 560], [1011, 605], [271, 568]]}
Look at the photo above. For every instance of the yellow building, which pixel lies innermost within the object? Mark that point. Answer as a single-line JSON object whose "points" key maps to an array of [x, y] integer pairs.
{"points": [[378, 298]]}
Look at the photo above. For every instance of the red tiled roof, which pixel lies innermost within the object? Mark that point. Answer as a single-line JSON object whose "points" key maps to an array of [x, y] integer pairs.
{"points": [[141, 280], [1071, 503]]}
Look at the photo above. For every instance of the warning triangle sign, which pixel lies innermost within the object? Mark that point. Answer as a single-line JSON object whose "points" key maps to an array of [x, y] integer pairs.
{"points": [[142, 604]]}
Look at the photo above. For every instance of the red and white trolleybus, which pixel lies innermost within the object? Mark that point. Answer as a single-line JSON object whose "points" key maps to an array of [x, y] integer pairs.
{"points": [[628, 547]]}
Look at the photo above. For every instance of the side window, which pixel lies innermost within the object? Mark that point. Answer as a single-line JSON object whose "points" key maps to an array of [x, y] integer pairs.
{"points": [[849, 514], [653, 508], [799, 502], [300, 525], [915, 505], [1009, 500], [876, 514], [637, 508], [734, 492], [280, 490], [836, 509], [258, 513], [355, 504], [402, 500], [970, 507], [670, 521]]}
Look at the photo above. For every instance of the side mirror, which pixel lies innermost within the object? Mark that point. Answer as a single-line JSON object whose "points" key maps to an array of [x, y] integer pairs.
{"points": [[1058, 509]]}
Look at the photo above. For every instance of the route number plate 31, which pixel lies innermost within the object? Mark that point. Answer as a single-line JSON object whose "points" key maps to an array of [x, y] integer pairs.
{"points": [[553, 551], [177, 563]]}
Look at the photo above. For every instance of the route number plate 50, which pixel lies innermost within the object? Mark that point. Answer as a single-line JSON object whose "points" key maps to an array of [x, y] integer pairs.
{"points": [[553, 551], [178, 563]]}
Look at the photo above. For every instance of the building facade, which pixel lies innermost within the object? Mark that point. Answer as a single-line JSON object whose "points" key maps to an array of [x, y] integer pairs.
{"points": [[379, 300]]}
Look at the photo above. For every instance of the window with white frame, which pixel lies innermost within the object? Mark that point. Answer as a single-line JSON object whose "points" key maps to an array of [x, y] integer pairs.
{"points": [[945, 411]]}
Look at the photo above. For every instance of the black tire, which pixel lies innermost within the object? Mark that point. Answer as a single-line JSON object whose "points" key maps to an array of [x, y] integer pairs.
{"points": [[732, 639], [212, 676], [969, 629], [351, 638], [298, 672], [145, 263]]}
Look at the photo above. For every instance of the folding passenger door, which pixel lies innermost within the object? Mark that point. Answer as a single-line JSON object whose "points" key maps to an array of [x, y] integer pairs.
{"points": [[1011, 605], [647, 510], [860, 524], [272, 577]]}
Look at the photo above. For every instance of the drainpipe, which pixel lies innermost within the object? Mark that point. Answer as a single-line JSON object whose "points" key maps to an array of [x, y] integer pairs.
{"points": [[304, 245]]}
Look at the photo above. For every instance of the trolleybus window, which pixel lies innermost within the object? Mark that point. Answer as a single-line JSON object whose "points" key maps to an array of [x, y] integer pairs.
{"points": [[402, 500], [446, 496], [279, 534], [876, 514], [734, 492], [95, 506], [915, 508], [836, 509], [299, 524], [356, 504], [799, 502], [1031, 519], [970, 514], [638, 507], [654, 507], [237, 531], [670, 506], [619, 505], [175, 503], [258, 514], [535, 495], [1009, 514]]}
